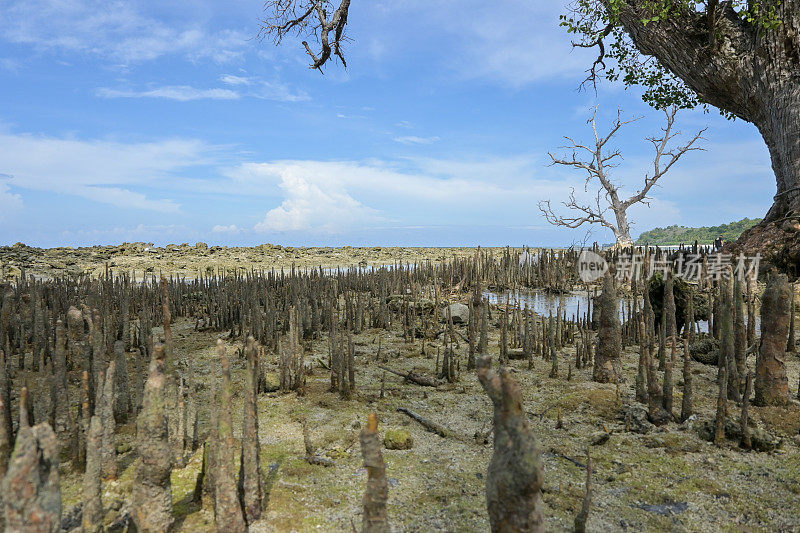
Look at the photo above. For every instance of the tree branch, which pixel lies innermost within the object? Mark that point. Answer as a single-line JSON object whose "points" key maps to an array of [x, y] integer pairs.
{"points": [[287, 16], [661, 145], [719, 75]]}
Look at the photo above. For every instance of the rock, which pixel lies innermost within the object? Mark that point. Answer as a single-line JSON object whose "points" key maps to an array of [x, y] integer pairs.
{"points": [[458, 311], [665, 509], [673, 443], [398, 439], [634, 416], [398, 301], [791, 225], [705, 351], [762, 440], [600, 438]]}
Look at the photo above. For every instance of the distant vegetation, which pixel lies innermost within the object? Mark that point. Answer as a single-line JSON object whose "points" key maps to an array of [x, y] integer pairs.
{"points": [[705, 235]]}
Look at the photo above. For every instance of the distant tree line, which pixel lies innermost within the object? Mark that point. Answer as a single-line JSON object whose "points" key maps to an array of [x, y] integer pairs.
{"points": [[704, 235]]}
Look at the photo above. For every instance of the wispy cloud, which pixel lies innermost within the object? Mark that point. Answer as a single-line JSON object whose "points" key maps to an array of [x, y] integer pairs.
{"points": [[181, 93], [413, 139], [511, 43], [256, 87], [115, 30], [108, 172], [231, 229], [242, 88], [230, 79]]}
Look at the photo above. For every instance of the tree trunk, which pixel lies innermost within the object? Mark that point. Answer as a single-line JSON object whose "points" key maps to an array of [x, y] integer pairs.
{"points": [[623, 232], [609, 342], [771, 382], [747, 70], [781, 131]]}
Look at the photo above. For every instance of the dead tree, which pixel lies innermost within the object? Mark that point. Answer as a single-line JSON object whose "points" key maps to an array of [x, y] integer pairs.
{"points": [[746, 442], [609, 336], [5, 453], [108, 452], [292, 375], [771, 382], [722, 404], [514, 479], [310, 19], [92, 509], [229, 516], [152, 486], [374, 519], [583, 514], [598, 166], [250, 465], [31, 488], [686, 403]]}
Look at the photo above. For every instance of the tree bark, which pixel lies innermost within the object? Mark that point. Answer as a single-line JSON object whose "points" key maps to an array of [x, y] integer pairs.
{"points": [[749, 71], [374, 519], [771, 382], [514, 480], [609, 341]]}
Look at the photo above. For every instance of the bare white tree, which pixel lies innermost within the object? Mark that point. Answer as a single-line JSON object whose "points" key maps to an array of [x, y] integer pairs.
{"points": [[597, 167]]}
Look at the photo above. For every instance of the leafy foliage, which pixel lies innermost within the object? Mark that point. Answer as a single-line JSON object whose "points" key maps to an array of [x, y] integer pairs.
{"points": [[597, 24], [673, 235]]}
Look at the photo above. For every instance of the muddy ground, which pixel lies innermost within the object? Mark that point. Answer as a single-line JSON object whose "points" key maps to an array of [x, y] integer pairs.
{"points": [[668, 479]]}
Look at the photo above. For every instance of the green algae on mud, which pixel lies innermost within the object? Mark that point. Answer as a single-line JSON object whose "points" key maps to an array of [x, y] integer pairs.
{"points": [[438, 485]]}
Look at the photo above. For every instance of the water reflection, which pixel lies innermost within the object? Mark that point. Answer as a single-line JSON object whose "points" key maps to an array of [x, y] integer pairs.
{"points": [[545, 303]]}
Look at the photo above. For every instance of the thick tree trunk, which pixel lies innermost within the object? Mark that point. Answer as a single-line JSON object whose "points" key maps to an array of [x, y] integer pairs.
{"points": [[745, 69], [781, 131]]}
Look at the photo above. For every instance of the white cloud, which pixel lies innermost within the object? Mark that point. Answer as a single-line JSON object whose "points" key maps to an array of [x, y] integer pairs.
{"points": [[413, 139], [334, 196], [314, 206], [260, 88], [181, 93], [116, 30], [230, 79], [10, 203], [103, 171], [156, 233], [233, 228]]}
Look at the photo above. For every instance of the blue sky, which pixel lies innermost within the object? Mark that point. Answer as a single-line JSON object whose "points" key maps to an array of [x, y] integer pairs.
{"points": [[170, 122]]}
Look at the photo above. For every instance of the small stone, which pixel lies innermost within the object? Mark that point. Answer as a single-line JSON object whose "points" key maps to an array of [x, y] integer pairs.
{"points": [[600, 438], [458, 311], [398, 439]]}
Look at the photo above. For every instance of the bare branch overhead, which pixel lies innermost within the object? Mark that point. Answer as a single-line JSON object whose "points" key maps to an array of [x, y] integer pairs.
{"points": [[311, 19]]}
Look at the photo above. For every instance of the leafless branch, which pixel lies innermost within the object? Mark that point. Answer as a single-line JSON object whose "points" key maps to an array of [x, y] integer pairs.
{"points": [[588, 214], [600, 62], [596, 165], [308, 18], [661, 145]]}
